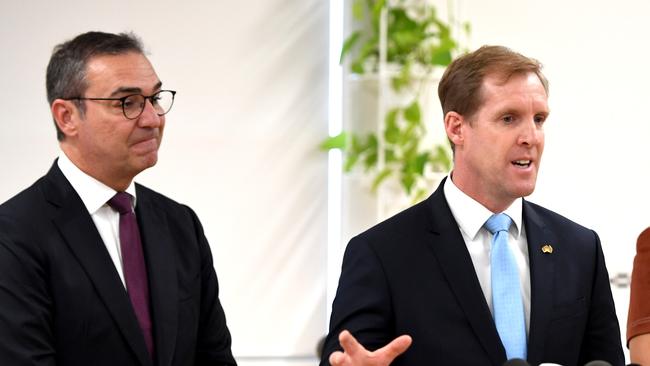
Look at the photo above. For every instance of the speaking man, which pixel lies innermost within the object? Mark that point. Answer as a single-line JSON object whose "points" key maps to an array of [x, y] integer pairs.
{"points": [[475, 274]]}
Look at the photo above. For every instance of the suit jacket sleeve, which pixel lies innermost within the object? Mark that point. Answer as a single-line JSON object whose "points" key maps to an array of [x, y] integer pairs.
{"points": [[25, 319], [362, 303], [213, 342], [602, 340]]}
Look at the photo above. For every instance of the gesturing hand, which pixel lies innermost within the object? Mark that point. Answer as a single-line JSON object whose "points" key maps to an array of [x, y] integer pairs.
{"points": [[354, 354]]}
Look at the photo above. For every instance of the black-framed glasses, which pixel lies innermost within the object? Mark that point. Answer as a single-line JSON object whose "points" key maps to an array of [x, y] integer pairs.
{"points": [[133, 104]]}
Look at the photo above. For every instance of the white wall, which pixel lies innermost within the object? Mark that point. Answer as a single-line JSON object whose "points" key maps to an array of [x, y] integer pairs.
{"points": [[239, 147]]}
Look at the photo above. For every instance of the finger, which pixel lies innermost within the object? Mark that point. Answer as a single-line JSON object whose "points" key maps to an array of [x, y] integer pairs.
{"points": [[337, 358], [349, 343], [396, 347]]}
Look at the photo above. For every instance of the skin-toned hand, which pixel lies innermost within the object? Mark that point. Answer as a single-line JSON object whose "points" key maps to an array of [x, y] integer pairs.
{"points": [[640, 349], [354, 354]]}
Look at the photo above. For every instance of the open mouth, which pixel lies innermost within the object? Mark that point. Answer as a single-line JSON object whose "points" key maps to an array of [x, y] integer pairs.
{"points": [[522, 163]]}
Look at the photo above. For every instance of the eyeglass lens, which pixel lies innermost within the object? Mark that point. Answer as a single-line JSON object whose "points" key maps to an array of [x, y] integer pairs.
{"points": [[134, 104]]}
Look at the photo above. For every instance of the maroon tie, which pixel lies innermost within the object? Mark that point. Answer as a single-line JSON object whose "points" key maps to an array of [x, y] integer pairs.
{"points": [[135, 273]]}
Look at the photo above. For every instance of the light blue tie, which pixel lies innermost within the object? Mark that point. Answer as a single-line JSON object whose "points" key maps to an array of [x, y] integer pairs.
{"points": [[506, 294]]}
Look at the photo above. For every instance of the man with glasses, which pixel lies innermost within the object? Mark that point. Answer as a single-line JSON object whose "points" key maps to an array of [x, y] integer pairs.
{"points": [[94, 268]]}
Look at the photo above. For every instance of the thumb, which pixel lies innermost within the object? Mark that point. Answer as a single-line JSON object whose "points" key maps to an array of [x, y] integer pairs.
{"points": [[396, 347]]}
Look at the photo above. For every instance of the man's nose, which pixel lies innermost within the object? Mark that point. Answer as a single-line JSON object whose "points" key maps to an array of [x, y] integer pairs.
{"points": [[531, 133], [149, 116]]}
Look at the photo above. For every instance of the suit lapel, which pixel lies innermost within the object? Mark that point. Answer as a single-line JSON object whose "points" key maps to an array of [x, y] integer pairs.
{"points": [[541, 280], [456, 264], [81, 235], [159, 253]]}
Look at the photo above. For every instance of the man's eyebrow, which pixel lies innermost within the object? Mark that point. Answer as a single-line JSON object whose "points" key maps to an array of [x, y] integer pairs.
{"points": [[134, 90], [124, 90]]}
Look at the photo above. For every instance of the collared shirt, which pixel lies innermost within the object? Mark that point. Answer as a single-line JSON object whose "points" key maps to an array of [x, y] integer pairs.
{"points": [[471, 216], [94, 195]]}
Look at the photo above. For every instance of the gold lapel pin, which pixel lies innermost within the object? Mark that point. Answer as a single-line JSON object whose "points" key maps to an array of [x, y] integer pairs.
{"points": [[547, 249]]}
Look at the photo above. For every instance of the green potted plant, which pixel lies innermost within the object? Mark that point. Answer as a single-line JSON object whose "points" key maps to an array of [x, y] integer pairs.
{"points": [[418, 44]]}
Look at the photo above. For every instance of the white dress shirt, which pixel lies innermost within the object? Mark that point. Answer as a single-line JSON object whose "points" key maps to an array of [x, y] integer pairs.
{"points": [[471, 216], [94, 195]]}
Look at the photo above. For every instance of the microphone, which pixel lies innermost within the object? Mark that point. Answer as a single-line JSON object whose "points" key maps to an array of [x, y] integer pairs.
{"points": [[517, 362], [598, 363]]}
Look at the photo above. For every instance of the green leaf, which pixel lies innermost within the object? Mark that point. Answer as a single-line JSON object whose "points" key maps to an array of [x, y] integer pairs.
{"points": [[372, 141], [401, 21], [369, 151], [379, 4], [419, 195], [367, 50], [408, 137], [441, 54], [408, 179], [357, 67], [376, 13], [412, 112], [370, 48], [441, 158], [467, 26], [411, 151], [380, 177], [349, 43], [389, 155], [440, 57], [350, 162], [357, 10], [355, 146], [391, 132], [443, 29], [334, 142], [363, 145], [370, 160], [352, 153], [396, 83], [420, 161], [407, 39], [402, 79], [404, 35]]}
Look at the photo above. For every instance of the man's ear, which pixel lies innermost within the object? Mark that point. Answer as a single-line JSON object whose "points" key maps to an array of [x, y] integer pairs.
{"points": [[454, 125], [66, 115]]}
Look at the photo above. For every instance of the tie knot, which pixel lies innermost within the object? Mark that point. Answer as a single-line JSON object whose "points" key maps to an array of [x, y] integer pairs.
{"points": [[498, 222], [121, 202]]}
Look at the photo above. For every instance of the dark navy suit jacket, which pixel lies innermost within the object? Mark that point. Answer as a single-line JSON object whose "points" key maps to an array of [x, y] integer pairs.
{"points": [[62, 301], [412, 274]]}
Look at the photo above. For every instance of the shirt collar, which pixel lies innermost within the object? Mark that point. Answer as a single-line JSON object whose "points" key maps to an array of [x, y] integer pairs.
{"points": [[93, 193], [471, 215]]}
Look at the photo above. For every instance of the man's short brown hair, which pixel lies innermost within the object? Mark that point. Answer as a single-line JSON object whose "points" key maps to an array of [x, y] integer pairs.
{"points": [[460, 87]]}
